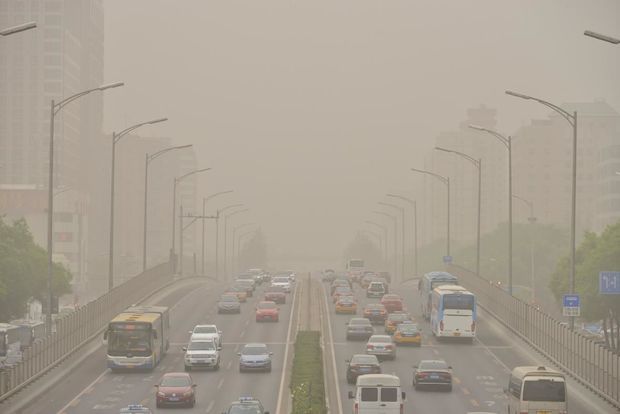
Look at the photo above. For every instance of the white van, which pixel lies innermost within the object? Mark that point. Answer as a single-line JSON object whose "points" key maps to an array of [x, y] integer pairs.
{"points": [[536, 390], [378, 394]]}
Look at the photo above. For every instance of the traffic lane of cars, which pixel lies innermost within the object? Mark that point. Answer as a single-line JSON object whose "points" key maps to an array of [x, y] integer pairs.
{"points": [[92, 367], [458, 401]]}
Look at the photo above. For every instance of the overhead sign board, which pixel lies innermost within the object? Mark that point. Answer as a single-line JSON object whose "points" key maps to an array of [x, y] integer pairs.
{"points": [[571, 305], [609, 283]]}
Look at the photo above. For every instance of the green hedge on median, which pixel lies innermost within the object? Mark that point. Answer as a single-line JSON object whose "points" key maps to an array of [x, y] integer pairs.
{"points": [[307, 387]]}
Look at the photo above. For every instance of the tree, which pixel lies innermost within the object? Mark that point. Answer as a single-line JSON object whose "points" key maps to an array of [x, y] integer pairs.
{"points": [[23, 271]]}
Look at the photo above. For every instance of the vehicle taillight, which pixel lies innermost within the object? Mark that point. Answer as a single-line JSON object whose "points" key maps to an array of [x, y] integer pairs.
{"points": [[389, 347], [402, 408], [356, 407], [441, 325], [369, 346], [473, 326]]}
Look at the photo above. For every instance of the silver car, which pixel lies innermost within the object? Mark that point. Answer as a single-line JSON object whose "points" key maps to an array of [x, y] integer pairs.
{"points": [[229, 304], [382, 346]]}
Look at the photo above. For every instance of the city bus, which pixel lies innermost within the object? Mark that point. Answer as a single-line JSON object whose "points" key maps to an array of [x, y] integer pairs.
{"points": [[138, 338], [453, 312], [429, 282]]}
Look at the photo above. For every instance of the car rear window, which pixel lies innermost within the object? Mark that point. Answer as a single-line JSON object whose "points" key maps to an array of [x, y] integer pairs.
{"points": [[370, 394], [389, 394]]}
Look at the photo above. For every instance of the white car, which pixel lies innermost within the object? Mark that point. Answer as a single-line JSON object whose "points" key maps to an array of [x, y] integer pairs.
{"points": [[204, 332], [282, 281], [202, 354]]}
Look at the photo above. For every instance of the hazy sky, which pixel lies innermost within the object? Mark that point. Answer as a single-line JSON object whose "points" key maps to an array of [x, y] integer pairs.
{"points": [[312, 110]]}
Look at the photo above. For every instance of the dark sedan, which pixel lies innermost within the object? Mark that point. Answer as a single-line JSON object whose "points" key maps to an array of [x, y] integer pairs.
{"points": [[275, 294], [359, 328], [432, 373], [361, 364]]}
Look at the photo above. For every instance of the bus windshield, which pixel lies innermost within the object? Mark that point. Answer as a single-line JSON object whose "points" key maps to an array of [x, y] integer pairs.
{"points": [[134, 342], [437, 283], [544, 390], [456, 301]]}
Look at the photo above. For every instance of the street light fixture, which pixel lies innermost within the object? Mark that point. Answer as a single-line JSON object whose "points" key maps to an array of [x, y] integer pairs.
{"points": [[147, 160], [572, 120], [395, 221], [446, 181], [478, 164], [176, 181], [415, 228], [385, 237], [55, 107], [507, 141], [16, 29], [115, 139], [402, 236], [602, 37], [204, 213]]}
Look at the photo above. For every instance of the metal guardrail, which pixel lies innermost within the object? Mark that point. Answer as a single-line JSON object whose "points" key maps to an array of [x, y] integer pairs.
{"points": [[595, 366], [78, 327]]}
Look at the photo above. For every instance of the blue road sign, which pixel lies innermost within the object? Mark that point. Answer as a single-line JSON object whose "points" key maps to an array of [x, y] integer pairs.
{"points": [[570, 301], [609, 283], [447, 259]]}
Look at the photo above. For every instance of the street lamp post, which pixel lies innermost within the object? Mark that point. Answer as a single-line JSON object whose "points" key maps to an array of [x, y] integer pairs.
{"points": [[415, 229], [385, 238], [115, 139], [532, 221], [204, 213], [147, 160], [572, 120], [17, 29], [235, 265], [602, 37], [395, 221], [507, 141], [55, 107], [402, 236], [478, 164], [226, 217], [217, 236], [177, 180], [446, 181]]}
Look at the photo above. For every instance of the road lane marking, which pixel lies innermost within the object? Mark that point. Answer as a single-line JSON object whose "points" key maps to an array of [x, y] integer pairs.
{"points": [[465, 391], [210, 406], [219, 384], [456, 380], [288, 340], [76, 399], [242, 334], [474, 403], [229, 365]]}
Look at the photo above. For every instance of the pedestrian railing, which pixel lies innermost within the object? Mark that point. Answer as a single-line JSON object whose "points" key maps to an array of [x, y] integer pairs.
{"points": [[595, 366], [79, 327]]}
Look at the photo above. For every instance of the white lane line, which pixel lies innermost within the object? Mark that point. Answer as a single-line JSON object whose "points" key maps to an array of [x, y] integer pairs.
{"points": [[247, 322], [242, 334], [288, 341], [74, 401], [210, 406], [219, 384], [333, 351], [229, 365]]}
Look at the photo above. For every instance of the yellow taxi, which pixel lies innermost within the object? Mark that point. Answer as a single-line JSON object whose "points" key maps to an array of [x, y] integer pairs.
{"points": [[394, 319], [346, 304], [242, 295], [408, 333]]}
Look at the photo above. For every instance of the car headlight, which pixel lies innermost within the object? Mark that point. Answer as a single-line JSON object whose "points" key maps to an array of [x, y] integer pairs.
{"points": [[188, 394]]}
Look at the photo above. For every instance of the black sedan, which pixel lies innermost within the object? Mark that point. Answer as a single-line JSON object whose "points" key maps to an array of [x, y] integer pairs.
{"points": [[432, 373], [361, 364]]}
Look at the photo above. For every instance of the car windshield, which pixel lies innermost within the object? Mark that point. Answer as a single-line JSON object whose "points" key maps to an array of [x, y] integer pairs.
{"points": [[430, 365], [229, 298], [391, 297], [375, 307], [398, 317], [267, 305], [244, 408], [343, 289], [280, 280], [201, 346], [255, 350], [205, 329], [544, 390], [380, 339], [175, 381], [364, 359], [407, 327], [376, 286], [359, 321], [274, 289]]}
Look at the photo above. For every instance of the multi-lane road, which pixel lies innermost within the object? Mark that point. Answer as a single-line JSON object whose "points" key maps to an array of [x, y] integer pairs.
{"points": [[480, 369]]}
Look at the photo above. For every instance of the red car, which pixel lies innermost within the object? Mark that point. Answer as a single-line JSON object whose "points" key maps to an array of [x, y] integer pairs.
{"points": [[175, 388], [267, 311], [392, 302], [275, 294]]}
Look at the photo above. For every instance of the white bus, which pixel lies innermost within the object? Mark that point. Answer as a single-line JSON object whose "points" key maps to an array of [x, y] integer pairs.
{"points": [[429, 282], [453, 312], [138, 337]]}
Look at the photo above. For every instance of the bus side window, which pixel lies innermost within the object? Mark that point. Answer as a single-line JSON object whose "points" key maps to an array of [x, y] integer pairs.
{"points": [[514, 387]]}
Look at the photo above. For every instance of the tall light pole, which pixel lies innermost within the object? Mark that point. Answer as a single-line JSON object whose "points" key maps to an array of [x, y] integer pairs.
{"points": [[17, 29], [204, 213], [234, 246], [55, 107], [220, 212], [478, 164], [115, 139], [507, 141], [402, 236], [532, 221], [385, 238], [602, 37], [572, 120], [147, 160], [415, 228], [177, 180], [395, 222], [226, 217], [446, 182]]}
